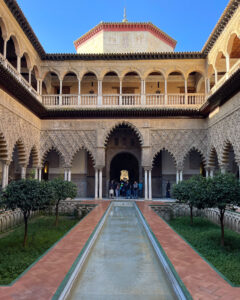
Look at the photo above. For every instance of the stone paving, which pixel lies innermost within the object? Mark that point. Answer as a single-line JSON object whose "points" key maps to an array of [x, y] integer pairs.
{"points": [[200, 279], [43, 279]]}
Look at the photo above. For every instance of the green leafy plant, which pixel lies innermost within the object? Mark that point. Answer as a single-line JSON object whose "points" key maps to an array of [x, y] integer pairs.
{"points": [[224, 193], [192, 192], [27, 195], [62, 190]]}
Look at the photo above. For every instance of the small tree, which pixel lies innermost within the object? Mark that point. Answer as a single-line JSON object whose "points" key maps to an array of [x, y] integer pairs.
{"points": [[224, 192], [62, 190], [27, 195], [192, 192]]}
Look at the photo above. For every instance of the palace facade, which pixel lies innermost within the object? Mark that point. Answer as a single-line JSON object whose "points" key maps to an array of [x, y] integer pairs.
{"points": [[126, 101]]}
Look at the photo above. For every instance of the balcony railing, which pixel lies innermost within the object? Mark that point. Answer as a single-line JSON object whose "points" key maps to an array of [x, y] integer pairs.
{"points": [[19, 77], [124, 100], [194, 100]]}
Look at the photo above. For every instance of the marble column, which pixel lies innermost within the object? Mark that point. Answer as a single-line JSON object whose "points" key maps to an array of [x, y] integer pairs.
{"points": [[120, 92], [211, 173], [69, 177], [146, 184], [36, 174], [150, 184], [23, 172], [40, 174], [99, 92], [100, 184], [5, 174], [177, 176], [66, 175], [165, 91], [60, 92], [19, 64], [180, 175], [96, 184]]}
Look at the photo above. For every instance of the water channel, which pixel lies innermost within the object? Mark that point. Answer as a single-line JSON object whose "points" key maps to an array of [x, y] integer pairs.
{"points": [[122, 263]]}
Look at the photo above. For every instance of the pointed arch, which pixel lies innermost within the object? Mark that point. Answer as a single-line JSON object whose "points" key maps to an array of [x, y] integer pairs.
{"points": [[3, 28], [35, 157], [53, 148], [22, 155], [3, 148], [168, 151], [212, 157], [82, 147], [204, 161], [126, 124], [227, 145]]}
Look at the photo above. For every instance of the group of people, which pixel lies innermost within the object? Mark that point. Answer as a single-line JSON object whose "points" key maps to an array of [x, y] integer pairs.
{"points": [[125, 189]]}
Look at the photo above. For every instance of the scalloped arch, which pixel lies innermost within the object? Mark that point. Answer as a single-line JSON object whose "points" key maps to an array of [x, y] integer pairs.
{"points": [[204, 161], [130, 126], [3, 148], [169, 152], [22, 155], [82, 147], [55, 149]]}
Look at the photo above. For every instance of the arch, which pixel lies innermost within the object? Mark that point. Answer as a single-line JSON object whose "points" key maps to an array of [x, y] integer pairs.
{"points": [[131, 70], [35, 157], [124, 160], [89, 83], [22, 156], [230, 42], [86, 71], [43, 158], [82, 147], [47, 83], [3, 148], [36, 70], [3, 28], [127, 124], [28, 60], [195, 80], [44, 75], [197, 150], [109, 70], [158, 152], [155, 82], [70, 83], [16, 43], [227, 145], [154, 70], [192, 70], [73, 71], [213, 158], [175, 70]]}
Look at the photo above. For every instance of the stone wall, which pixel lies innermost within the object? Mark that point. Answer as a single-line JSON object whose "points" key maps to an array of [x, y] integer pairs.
{"points": [[10, 219], [168, 211]]}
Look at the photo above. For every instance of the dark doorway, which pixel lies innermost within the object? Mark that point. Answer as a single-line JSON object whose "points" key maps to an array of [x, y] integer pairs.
{"points": [[124, 161]]}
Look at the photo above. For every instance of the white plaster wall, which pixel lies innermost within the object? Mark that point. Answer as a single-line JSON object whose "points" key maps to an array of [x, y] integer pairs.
{"points": [[93, 45], [124, 42]]}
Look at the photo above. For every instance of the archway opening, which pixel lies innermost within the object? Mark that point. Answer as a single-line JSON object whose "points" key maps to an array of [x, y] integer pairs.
{"points": [[194, 164], [83, 173], [11, 53], [163, 174], [1, 41], [52, 166], [32, 163], [220, 65], [111, 88], [125, 164], [131, 89], [25, 67], [123, 153], [234, 49], [155, 88], [34, 77], [229, 160], [213, 161], [18, 161]]}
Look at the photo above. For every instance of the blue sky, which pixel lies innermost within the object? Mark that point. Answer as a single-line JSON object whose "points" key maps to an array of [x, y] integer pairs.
{"points": [[57, 23]]}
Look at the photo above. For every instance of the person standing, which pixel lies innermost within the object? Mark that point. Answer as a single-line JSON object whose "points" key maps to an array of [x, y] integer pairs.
{"points": [[140, 188], [135, 190]]}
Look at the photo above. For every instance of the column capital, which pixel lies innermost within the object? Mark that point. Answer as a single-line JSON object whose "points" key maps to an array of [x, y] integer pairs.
{"points": [[147, 168], [99, 167]]}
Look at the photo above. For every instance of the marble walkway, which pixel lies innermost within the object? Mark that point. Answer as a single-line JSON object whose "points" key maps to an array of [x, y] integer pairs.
{"points": [[42, 280]]}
